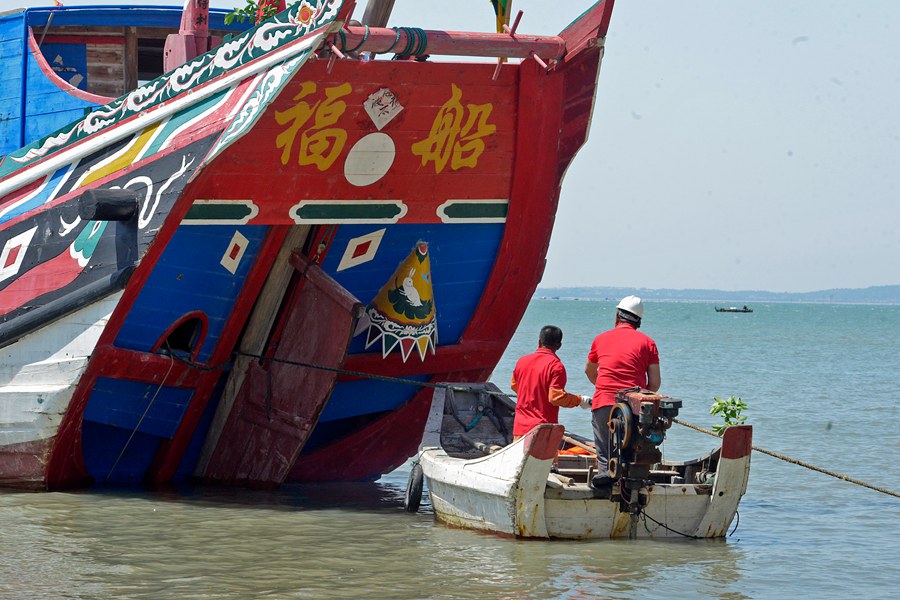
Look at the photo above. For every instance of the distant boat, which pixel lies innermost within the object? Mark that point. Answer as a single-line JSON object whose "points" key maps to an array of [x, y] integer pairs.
{"points": [[743, 309]]}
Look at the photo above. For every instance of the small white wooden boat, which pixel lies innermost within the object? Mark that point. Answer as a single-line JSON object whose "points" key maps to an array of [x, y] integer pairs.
{"points": [[535, 487]]}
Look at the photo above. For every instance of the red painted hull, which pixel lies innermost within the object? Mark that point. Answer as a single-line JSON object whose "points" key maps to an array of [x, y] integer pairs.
{"points": [[396, 145], [24, 465], [549, 135]]}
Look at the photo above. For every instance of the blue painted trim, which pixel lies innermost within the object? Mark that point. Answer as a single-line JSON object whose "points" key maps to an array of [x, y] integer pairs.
{"points": [[124, 15], [24, 82]]}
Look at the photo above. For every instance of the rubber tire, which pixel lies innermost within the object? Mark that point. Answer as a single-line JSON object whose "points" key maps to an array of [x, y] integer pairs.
{"points": [[413, 497]]}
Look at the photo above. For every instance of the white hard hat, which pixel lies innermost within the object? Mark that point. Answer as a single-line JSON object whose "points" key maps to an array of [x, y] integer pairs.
{"points": [[633, 305]]}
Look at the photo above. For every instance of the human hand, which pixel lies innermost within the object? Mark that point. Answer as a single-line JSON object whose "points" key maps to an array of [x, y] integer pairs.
{"points": [[586, 402]]}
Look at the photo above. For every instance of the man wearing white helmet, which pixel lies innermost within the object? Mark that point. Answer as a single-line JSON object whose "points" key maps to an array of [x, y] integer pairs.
{"points": [[620, 358]]}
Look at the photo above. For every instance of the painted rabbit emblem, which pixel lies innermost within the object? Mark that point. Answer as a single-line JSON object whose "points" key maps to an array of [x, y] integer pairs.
{"points": [[410, 291]]}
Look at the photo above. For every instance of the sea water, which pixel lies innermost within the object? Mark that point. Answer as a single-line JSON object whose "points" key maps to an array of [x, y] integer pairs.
{"points": [[821, 382]]}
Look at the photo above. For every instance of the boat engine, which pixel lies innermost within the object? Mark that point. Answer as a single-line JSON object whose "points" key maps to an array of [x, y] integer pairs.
{"points": [[637, 424]]}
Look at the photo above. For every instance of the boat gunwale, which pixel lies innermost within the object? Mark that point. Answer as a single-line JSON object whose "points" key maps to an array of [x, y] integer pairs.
{"points": [[29, 169]]}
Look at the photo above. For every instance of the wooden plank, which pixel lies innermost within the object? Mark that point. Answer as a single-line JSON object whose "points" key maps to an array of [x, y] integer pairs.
{"points": [[584, 32], [106, 72], [155, 33], [377, 13], [114, 40], [254, 339], [12, 48], [280, 403]]}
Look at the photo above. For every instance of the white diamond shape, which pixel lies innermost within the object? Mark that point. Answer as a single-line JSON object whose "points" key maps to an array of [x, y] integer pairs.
{"points": [[21, 241], [382, 106], [234, 252], [349, 260]]}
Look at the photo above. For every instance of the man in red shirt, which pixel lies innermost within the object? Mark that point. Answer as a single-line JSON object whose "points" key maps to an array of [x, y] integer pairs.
{"points": [[620, 358], [539, 379]]}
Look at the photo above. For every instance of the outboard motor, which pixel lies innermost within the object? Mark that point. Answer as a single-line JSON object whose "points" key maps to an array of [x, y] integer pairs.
{"points": [[637, 425]]}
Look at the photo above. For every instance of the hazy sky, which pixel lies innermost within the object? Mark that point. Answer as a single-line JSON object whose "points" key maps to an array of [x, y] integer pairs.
{"points": [[734, 145]]}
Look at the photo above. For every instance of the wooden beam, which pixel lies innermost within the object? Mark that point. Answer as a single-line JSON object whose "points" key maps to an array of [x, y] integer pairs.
{"points": [[377, 13], [131, 58], [457, 43], [256, 333]]}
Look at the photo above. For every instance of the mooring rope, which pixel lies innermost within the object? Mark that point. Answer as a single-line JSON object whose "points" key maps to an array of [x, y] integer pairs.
{"points": [[387, 378], [141, 420], [428, 384], [798, 462]]}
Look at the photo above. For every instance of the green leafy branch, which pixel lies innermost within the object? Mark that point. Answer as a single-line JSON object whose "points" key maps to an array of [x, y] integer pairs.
{"points": [[730, 409], [255, 11]]}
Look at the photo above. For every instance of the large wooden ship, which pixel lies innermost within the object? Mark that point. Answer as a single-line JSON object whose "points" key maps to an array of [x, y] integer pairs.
{"points": [[242, 254]]}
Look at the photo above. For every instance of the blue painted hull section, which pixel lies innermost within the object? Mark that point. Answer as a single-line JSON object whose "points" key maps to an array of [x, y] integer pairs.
{"points": [[130, 417], [12, 49], [462, 258], [47, 107], [189, 277]]}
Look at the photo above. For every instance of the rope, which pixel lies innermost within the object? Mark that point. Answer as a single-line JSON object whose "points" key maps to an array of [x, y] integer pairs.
{"points": [[359, 45], [474, 422], [423, 42], [351, 373], [666, 527], [173, 356], [428, 384], [141, 420], [799, 462], [396, 40], [416, 42]]}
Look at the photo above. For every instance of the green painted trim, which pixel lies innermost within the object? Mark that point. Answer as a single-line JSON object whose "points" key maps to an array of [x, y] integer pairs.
{"points": [[473, 211], [352, 212], [466, 210], [220, 213]]}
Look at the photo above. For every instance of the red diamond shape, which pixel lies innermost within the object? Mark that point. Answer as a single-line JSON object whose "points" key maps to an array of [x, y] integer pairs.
{"points": [[12, 256], [235, 250], [362, 249]]}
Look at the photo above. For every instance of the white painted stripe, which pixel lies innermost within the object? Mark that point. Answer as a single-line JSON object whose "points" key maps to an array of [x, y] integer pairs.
{"points": [[39, 373]]}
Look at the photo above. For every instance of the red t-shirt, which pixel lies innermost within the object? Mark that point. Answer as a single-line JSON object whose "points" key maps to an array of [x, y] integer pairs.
{"points": [[623, 355], [534, 375]]}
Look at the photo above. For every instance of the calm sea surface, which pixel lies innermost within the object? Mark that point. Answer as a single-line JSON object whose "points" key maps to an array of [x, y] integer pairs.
{"points": [[821, 382]]}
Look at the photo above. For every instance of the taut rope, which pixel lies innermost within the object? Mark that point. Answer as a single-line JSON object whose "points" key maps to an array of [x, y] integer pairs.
{"points": [[446, 386], [799, 462]]}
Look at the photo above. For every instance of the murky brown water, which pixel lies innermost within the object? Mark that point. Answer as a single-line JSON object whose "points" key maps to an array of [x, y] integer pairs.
{"points": [[821, 384], [334, 541]]}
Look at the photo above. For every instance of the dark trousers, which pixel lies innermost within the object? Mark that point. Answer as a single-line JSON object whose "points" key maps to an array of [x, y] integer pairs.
{"points": [[600, 422]]}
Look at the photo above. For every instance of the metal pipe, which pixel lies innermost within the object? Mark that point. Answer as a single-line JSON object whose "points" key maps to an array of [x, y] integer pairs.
{"points": [[46, 27]]}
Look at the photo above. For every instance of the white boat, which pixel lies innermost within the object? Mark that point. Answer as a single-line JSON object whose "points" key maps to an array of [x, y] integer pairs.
{"points": [[535, 488]]}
